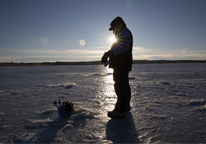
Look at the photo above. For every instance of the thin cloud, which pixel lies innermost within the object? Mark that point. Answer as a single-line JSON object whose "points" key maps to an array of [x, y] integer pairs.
{"points": [[55, 55], [101, 47], [143, 50], [143, 53], [56, 51], [95, 53]]}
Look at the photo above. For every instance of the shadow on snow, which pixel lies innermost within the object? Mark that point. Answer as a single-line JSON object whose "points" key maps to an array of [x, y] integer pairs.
{"points": [[122, 130]]}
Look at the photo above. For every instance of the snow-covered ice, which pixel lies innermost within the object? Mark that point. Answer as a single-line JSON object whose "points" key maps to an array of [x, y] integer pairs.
{"points": [[168, 104]]}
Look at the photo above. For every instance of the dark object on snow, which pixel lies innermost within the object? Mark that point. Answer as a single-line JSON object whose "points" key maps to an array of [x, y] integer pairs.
{"points": [[68, 107], [116, 115], [65, 109], [55, 102]]}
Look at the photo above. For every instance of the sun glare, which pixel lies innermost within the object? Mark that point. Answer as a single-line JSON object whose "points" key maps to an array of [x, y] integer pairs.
{"points": [[112, 39], [109, 38]]}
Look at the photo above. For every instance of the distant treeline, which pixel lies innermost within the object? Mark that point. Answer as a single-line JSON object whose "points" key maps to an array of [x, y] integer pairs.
{"points": [[167, 61], [98, 62]]}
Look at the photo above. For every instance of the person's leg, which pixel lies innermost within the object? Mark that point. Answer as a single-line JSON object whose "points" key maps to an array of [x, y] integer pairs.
{"points": [[129, 92], [128, 107], [122, 90]]}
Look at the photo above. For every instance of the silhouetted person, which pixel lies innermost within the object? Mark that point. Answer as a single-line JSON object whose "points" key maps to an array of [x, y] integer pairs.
{"points": [[120, 59]]}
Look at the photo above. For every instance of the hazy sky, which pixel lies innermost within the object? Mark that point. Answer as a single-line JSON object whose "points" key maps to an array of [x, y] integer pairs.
{"points": [[51, 30]]}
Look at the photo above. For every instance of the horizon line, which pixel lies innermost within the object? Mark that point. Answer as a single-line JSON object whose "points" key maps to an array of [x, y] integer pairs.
{"points": [[95, 62]]}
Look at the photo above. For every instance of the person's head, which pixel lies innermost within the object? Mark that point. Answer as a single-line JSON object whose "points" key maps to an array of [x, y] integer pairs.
{"points": [[117, 24]]}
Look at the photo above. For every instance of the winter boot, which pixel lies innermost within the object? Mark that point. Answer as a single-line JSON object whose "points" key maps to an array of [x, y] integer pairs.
{"points": [[114, 114]]}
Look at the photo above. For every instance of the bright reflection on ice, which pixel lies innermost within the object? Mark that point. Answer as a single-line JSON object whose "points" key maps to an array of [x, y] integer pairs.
{"points": [[109, 70], [109, 96]]}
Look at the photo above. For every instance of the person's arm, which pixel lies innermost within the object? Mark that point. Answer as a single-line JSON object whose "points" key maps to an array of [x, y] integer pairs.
{"points": [[105, 57]]}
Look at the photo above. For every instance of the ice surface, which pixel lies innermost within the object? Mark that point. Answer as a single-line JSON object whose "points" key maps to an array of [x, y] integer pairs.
{"points": [[168, 104]]}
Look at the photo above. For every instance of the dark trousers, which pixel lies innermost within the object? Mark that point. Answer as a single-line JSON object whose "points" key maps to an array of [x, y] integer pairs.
{"points": [[122, 89]]}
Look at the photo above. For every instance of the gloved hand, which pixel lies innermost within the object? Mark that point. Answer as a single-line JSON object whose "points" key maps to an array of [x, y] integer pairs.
{"points": [[105, 57]]}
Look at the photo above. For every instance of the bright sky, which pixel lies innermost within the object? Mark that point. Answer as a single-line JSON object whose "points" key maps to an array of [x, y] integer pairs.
{"points": [[77, 30]]}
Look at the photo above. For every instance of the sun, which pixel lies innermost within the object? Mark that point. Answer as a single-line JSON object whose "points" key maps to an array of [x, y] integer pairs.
{"points": [[109, 38], [112, 39]]}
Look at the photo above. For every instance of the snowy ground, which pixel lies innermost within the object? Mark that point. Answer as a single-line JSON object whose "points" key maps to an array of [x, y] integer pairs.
{"points": [[168, 104]]}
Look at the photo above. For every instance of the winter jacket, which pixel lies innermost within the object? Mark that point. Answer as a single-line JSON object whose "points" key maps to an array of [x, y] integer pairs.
{"points": [[120, 54]]}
